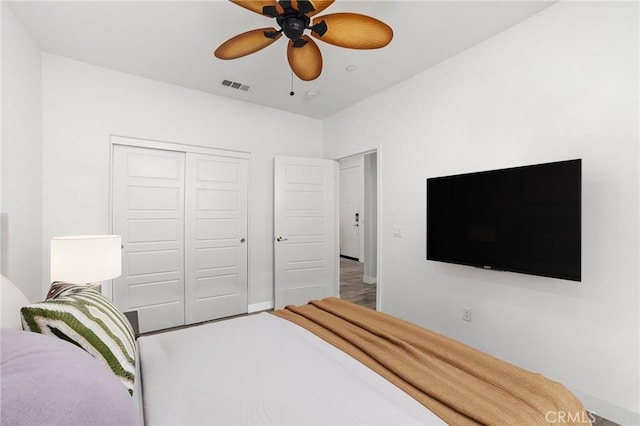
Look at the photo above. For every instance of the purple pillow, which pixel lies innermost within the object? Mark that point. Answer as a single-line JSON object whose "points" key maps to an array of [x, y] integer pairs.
{"points": [[46, 380]]}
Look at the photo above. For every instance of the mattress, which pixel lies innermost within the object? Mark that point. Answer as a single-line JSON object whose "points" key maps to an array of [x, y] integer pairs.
{"points": [[262, 369]]}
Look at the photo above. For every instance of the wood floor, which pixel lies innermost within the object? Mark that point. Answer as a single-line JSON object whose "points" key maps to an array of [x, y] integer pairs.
{"points": [[352, 288], [601, 421]]}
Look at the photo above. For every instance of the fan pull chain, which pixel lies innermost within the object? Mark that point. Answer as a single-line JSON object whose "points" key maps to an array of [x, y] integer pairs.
{"points": [[291, 93]]}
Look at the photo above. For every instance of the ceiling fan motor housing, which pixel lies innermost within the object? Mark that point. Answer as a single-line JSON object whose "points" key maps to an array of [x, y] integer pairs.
{"points": [[293, 23]]}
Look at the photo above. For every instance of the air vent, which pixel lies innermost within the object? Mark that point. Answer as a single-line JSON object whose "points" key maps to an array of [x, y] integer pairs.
{"points": [[236, 85]]}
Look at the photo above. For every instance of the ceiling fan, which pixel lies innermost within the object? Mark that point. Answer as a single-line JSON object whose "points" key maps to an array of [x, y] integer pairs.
{"points": [[350, 30]]}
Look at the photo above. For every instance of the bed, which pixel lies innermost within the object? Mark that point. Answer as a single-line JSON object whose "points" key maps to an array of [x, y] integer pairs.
{"points": [[328, 362], [333, 362]]}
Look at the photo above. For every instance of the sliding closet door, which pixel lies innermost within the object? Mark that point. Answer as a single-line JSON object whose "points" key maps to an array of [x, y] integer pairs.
{"points": [[183, 219], [148, 212], [215, 237]]}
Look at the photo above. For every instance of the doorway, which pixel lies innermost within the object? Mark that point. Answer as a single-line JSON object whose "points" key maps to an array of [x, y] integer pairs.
{"points": [[358, 229]]}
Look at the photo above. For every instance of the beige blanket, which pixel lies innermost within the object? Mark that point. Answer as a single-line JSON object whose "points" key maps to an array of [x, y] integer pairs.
{"points": [[458, 383]]}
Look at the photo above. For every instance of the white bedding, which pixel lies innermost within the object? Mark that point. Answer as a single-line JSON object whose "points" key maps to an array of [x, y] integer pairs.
{"points": [[261, 369]]}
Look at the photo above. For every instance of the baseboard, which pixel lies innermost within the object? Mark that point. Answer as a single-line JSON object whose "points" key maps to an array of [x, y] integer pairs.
{"points": [[607, 410], [262, 306], [369, 280], [350, 258]]}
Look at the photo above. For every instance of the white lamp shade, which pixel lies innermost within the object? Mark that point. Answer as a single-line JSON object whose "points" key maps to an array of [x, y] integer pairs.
{"points": [[85, 259]]}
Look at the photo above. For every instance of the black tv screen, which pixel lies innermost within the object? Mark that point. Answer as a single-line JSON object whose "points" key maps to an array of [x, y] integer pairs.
{"points": [[522, 219]]}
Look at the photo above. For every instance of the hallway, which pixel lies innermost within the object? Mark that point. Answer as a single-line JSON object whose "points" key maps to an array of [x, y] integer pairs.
{"points": [[352, 288]]}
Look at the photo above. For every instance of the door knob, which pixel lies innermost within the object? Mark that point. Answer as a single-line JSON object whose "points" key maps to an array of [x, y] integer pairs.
{"points": [[281, 239], [242, 240]]}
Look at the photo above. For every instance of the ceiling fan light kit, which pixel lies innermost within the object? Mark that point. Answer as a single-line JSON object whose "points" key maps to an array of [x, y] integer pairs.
{"points": [[350, 30]]}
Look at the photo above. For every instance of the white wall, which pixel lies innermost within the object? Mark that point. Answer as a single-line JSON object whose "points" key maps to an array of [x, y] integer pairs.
{"points": [[21, 161], [560, 85], [84, 105]]}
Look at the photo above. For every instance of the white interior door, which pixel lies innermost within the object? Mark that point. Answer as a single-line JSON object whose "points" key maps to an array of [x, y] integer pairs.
{"points": [[305, 227], [148, 212], [350, 214], [215, 237]]}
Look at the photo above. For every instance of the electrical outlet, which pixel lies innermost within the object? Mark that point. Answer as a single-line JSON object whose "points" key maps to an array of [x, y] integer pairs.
{"points": [[466, 313]]}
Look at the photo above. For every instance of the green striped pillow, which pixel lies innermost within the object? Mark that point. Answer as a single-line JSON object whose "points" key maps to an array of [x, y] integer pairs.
{"points": [[89, 320]]}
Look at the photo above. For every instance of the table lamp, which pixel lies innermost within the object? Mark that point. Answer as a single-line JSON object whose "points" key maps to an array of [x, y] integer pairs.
{"points": [[86, 259]]}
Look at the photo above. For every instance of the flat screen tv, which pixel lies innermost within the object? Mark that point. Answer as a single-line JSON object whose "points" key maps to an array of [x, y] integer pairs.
{"points": [[522, 219]]}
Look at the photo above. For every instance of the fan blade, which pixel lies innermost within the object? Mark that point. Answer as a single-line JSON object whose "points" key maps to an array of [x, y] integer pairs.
{"points": [[247, 43], [319, 6], [307, 7], [287, 4], [352, 30], [258, 6], [303, 6], [305, 61]]}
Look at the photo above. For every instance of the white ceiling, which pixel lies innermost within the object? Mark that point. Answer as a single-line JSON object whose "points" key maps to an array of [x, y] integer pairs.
{"points": [[173, 41]]}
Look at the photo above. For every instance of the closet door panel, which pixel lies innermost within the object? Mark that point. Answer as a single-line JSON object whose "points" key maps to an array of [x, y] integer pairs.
{"points": [[215, 237], [148, 212]]}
